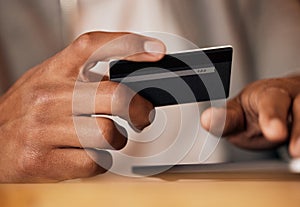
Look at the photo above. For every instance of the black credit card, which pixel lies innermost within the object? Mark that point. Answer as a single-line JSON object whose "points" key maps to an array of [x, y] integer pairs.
{"points": [[185, 77]]}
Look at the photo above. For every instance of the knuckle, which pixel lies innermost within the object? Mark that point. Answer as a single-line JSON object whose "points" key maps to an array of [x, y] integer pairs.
{"points": [[31, 129], [33, 134], [113, 136], [91, 167], [135, 44], [132, 43], [131, 106], [108, 132], [30, 162], [83, 41], [41, 94], [140, 111], [121, 98], [44, 97]]}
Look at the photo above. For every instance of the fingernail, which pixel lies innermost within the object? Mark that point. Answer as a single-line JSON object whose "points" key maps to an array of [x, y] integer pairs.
{"points": [[154, 47], [206, 118], [275, 130]]}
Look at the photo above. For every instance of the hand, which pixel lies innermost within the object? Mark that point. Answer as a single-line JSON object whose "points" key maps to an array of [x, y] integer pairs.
{"points": [[264, 115], [37, 136]]}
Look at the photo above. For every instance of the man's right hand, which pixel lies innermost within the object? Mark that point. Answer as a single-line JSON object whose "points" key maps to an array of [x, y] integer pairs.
{"points": [[265, 115], [37, 135]]}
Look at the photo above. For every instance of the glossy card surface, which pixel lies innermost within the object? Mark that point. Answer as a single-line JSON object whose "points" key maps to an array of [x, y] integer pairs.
{"points": [[185, 77]]}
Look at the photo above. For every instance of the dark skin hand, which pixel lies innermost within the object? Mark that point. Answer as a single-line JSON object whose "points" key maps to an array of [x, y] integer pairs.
{"points": [[264, 115], [37, 135]]}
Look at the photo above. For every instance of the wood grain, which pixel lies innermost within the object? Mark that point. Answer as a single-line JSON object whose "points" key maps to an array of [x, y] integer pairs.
{"points": [[111, 190]]}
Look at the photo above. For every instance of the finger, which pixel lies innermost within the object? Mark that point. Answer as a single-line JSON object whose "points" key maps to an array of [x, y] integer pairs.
{"points": [[273, 108], [87, 132], [95, 46], [72, 163], [113, 99], [224, 121], [257, 142], [294, 146]]}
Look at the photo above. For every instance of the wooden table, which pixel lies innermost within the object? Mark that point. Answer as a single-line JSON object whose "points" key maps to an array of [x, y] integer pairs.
{"points": [[167, 190]]}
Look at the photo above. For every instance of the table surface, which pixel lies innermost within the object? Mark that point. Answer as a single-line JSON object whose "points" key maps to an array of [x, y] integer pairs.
{"points": [[214, 189]]}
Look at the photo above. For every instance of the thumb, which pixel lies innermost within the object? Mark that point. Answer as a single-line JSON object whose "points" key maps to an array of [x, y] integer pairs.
{"points": [[102, 46], [223, 121]]}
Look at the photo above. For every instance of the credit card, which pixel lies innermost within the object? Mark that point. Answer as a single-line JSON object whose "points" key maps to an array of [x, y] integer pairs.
{"points": [[185, 77]]}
